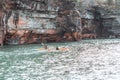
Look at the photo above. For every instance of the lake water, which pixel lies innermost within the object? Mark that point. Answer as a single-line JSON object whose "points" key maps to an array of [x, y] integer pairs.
{"points": [[86, 60]]}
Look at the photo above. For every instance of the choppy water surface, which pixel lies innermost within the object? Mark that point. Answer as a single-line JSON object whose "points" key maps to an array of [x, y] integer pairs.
{"points": [[86, 60]]}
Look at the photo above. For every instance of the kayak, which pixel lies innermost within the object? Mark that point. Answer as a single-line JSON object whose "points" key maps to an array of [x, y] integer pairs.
{"points": [[62, 49], [42, 50]]}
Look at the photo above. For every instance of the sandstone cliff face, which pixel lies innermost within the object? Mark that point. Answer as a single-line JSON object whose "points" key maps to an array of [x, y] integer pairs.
{"points": [[38, 20]]}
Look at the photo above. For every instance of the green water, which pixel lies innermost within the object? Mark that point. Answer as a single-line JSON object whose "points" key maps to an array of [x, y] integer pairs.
{"points": [[24, 62], [17, 60]]}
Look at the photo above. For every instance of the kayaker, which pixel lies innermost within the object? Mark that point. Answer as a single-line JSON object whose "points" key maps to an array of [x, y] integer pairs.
{"points": [[45, 46], [57, 48]]}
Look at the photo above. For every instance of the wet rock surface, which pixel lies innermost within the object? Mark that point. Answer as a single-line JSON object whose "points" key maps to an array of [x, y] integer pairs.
{"points": [[86, 60]]}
